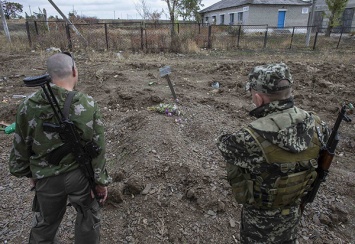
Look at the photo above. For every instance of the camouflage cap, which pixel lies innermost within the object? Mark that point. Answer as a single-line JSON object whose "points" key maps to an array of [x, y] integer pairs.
{"points": [[265, 78]]}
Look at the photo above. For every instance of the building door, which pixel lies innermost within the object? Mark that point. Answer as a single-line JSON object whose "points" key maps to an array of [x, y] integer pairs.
{"points": [[281, 19]]}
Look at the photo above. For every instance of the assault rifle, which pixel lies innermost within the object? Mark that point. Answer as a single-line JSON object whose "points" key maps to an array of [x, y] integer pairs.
{"points": [[68, 133], [325, 157]]}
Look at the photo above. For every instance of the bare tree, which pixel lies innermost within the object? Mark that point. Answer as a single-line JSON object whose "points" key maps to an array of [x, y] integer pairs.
{"points": [[173, 15], [155, 15], [143, 9], [185, 8]]}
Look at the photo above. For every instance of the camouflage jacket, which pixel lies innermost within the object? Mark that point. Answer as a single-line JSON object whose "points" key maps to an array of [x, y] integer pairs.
{"points": [[32, 145], [243, 153]]}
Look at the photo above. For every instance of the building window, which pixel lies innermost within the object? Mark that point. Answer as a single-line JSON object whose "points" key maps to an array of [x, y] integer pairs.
{"points": [[206, 19], [213, 19], [231, 19], [240, 17], [222, 19]]}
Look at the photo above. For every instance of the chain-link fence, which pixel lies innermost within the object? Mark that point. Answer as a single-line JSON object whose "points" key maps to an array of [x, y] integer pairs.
{"points": [[261, 36], [18, 33], [343, 38], [184, 37]]}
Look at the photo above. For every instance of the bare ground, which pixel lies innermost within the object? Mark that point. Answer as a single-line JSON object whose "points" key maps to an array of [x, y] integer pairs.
{"points": [[169, 178]]}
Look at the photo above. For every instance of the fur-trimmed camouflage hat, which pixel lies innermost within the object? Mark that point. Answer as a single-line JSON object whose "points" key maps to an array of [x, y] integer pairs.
{"points": [[265, 78]]}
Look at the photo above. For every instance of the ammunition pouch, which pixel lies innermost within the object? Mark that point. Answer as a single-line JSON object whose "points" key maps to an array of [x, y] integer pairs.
{"points": [[262, 193], [241, 183], [285, 191]]}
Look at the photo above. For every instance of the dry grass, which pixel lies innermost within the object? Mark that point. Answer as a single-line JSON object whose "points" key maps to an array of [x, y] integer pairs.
{"points": [[190, 47], [156, 40], [16, 45]]}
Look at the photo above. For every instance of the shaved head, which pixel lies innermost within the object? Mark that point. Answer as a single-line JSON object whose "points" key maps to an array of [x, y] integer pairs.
{"points": [[59, 66]]}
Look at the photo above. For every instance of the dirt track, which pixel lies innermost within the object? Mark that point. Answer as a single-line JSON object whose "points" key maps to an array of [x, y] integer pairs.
{"points": [[169, 177]]}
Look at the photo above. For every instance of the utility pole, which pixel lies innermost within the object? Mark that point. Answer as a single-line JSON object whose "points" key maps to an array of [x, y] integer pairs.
{"points": [[310, 23], [68, 21], [6, 29]]}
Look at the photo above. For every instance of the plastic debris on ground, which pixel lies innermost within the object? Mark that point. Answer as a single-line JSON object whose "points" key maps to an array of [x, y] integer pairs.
{"points": [[8, 129]]}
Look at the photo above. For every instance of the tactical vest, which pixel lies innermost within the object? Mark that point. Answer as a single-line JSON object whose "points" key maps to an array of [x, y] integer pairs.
{"points": [[287, 177]]}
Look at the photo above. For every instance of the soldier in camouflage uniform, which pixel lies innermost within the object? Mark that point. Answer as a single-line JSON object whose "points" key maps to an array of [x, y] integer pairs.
{"points": [[271, 162], [56, 182]]}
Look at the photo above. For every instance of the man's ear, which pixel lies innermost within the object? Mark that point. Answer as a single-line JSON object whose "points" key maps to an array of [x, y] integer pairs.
{"points": [[74, 71], [258, 100]]}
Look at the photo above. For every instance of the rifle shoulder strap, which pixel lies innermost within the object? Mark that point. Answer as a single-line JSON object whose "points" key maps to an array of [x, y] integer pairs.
{"points": [[67, 104], [59, 153]]}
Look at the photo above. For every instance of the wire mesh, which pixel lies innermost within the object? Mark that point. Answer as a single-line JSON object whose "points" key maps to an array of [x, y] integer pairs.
{"points": [[296, 37], [336, 40], [48, 34], [184, 37], [17, 32], [238, 36], [157, 36]]}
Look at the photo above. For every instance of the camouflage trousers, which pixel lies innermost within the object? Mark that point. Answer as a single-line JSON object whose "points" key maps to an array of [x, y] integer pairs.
{"points": [[49, 206], [269, 226]]}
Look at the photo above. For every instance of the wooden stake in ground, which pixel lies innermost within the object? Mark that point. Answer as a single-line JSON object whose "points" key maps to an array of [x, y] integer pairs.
{"points": [[164, 72]]}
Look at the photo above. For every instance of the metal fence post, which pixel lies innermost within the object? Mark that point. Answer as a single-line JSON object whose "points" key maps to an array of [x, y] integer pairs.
{"points": [[265, 38], [293, 33], [146, 37], [341, 34], [70, 45], [315, 40], [36, 27], [142, 38], [106, 36], [239, 32], [28, 33], [209, 44], [146, 42]]}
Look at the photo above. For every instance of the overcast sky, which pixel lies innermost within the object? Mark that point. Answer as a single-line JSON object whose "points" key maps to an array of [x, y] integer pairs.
{"points": [[102, 9]]}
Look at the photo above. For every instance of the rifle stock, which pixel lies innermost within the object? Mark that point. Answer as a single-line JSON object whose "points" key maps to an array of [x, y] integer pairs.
{"points": [[325, 158]]}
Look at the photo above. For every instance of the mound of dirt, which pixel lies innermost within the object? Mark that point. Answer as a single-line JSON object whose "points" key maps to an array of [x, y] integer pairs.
{"points": [[169, 178]]}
